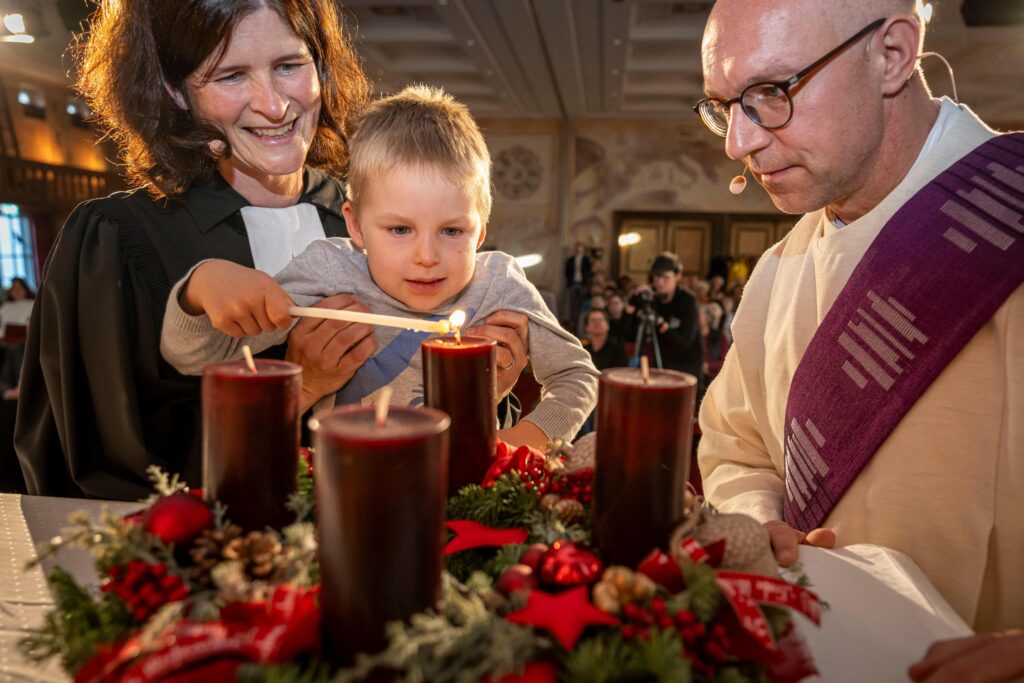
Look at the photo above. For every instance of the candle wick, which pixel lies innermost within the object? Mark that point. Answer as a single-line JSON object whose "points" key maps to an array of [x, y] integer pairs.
{"points": [[458, 336], [381, 407], [645, 369], [249, 362]]}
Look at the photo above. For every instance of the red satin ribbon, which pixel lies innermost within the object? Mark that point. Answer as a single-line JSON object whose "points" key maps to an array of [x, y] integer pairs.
{"points": [[746, 591]]}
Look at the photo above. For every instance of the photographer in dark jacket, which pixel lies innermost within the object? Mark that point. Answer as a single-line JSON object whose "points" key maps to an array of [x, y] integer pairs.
{"points": [[676, 319]]}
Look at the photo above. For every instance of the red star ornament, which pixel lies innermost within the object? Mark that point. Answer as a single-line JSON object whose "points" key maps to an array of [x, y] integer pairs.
{"points": [[564, 615], [475, 535]]}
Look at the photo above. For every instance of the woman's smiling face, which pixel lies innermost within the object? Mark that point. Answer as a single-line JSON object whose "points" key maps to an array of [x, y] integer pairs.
{"points": [[264, 95]]}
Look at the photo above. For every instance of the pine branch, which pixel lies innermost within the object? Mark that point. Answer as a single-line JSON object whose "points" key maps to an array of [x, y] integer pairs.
{"points": [[463, 642], [502, 505], [703, 596], [77, 626], [283, 673]]}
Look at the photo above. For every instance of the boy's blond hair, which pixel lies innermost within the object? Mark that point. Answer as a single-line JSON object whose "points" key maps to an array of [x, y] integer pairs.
{"points": [[420, 126]]}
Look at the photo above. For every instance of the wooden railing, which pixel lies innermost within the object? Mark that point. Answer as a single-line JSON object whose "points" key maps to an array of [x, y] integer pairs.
{"points": [[33, 183]]}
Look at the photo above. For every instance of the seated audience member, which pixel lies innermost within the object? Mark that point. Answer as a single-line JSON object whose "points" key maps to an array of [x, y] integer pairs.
{"points": [[605, 351], [17, 308]]}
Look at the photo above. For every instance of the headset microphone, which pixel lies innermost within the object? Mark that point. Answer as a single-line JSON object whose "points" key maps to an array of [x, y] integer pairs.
{"points": [[739, 183]]}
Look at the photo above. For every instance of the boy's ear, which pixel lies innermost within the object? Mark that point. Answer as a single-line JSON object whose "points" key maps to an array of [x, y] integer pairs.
{"points": [[355, 232], [483, 236]]}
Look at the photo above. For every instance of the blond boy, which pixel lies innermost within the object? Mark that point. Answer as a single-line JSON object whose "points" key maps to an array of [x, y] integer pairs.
{"points": [[418, 202]]}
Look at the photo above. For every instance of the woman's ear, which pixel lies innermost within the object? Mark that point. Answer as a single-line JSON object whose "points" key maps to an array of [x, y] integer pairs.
{"points": [[352, 223], [176, 95]]}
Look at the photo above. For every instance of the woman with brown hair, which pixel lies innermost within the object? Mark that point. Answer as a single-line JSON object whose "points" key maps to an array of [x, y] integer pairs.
{"points": [[231, 118]]}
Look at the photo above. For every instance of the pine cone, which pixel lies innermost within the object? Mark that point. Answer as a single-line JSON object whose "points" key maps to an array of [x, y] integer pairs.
{"points": [[568, 510], [208, 550], [259, 554], [621, 586], [548, 500]]}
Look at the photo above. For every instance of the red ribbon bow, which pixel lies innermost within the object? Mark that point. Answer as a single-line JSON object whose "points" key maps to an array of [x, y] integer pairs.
{"points": [[745, 591]]}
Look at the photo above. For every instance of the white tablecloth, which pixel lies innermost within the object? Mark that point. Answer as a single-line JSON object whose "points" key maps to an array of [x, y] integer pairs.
{"points": [[883, 613]]}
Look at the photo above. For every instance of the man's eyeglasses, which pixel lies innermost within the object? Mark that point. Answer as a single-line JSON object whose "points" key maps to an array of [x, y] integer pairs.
{"points": [[769, 105]]}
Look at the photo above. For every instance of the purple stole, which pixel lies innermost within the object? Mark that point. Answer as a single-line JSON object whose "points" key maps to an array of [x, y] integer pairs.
{"points": [[937, 272]]}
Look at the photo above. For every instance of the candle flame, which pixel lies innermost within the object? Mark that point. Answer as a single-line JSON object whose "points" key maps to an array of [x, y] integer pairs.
{"points": [[249, 362], [457, 320], [381, 407]]}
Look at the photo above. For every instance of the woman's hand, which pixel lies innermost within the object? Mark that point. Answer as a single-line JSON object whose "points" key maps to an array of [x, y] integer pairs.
{"points": [[239, 301], [511, 332], [329, 351]]}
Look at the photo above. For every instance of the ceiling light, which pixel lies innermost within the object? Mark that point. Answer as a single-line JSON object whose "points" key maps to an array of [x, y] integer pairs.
{"points": [[628, 239], [15, 23], [529, 260]]}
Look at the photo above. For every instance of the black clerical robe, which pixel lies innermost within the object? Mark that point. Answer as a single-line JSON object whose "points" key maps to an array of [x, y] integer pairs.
{"points": [[98, 403]]}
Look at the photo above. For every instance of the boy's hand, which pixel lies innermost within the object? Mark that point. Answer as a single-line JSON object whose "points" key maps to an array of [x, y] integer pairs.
{"points": [[239, 301], [525, 433], [511, 331]]}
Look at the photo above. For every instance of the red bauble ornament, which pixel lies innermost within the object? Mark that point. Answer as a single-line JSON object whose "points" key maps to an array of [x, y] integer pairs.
{"points": [[531, 556], [516, 578], [178, 518], [567, 564]]}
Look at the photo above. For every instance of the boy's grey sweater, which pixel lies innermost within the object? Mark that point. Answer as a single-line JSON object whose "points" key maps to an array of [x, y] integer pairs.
{"points": [[561, 365]]}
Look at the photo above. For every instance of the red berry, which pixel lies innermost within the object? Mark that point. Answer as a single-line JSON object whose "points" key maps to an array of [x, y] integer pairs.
{"points": [[516, 578], [531, 556]]}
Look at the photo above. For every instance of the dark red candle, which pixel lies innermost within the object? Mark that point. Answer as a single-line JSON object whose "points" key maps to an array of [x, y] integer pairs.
{"points": [[251, 439], [460, 379], [380, 495], [644, 433]]}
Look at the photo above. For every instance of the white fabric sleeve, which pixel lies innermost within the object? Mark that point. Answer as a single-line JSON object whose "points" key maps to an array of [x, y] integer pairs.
{"points": [[737, 471]]}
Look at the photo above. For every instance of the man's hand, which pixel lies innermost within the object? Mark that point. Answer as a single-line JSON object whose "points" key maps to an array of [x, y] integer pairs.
{"points": [[329, 351], [239, 301], [984, 658], [511, 332], [785, 540]]}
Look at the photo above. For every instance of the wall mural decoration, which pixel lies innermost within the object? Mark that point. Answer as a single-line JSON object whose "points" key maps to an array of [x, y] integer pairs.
{"points": [[649, 166], [517, 172]]}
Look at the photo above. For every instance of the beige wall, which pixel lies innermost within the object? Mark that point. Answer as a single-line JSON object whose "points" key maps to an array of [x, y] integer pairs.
{"points": [[544, 202], [528, 162], [649, 166]]}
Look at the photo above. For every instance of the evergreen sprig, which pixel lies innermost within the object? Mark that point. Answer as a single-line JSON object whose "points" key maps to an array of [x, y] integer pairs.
{"points": [[283, 673], [462, 642], [608, 658], [77, 626], [502, 505], [703, 596]]}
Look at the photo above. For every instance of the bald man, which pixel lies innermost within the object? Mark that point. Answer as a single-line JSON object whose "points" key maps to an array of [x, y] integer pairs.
{"points": [[875, 389]]}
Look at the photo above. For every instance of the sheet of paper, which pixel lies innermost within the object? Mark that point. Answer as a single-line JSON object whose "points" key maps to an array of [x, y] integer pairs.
{"points": [[883, 613]]}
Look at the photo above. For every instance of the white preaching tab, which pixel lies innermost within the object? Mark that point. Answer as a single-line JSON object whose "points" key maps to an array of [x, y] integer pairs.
{"points": [[276, 236]]}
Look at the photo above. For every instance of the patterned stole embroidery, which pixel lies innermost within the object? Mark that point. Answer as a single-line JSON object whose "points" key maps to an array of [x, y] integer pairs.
{"points": [[937, 272]]}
